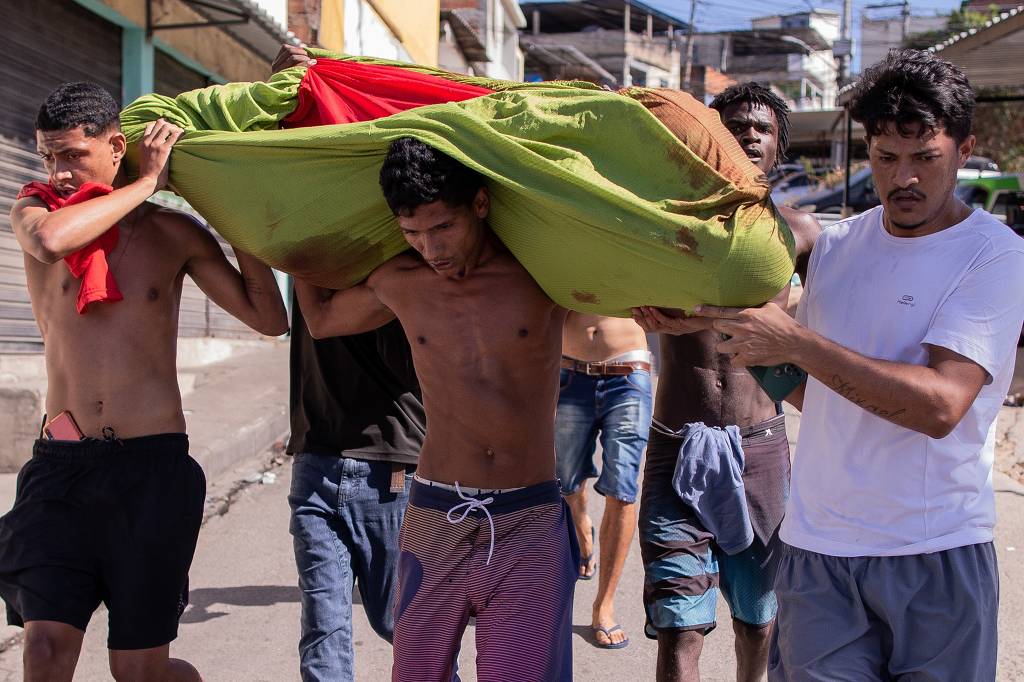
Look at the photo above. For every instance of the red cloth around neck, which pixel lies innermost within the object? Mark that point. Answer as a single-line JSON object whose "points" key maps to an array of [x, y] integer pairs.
{"points": [[90, 262], [339, 91]]}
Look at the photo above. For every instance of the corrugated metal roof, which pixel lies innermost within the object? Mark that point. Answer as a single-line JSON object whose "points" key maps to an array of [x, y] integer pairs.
{"points": [[566, 61], [963, 35], [984, 68], [568, 16]]}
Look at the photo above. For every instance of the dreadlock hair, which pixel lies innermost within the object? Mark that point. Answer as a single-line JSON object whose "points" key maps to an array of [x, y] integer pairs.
{"points": [[757, 95], [79, 104], [914, 92]]}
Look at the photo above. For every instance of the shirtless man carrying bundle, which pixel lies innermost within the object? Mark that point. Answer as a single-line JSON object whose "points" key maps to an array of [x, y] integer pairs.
{"points": [[486, 533], [108, 509]]}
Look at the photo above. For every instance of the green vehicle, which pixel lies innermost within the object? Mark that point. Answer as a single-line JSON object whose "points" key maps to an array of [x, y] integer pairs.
{"points": [[1001, 194]]}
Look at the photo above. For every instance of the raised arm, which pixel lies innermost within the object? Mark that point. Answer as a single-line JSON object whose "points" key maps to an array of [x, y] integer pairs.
{"points": [[341, 313], [251, 295], [48, 235]]}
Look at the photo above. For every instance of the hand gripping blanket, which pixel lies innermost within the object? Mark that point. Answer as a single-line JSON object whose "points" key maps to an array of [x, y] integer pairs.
{"points": [[610, 200]]}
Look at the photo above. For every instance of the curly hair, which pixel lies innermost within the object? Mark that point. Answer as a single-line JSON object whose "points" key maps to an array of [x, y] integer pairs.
{"points": [[916, 92], [79, 104], [414, 174], [757, 95]]}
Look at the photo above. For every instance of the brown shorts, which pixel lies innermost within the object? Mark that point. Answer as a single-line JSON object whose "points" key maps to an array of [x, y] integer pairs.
{"points": [[684, 569]]}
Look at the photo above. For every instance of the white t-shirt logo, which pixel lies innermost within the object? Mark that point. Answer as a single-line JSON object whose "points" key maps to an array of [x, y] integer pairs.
{"points": [[906, 299]]}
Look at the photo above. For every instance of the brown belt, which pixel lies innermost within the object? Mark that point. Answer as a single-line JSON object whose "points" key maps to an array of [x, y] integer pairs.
{"points": [[606, 368]]}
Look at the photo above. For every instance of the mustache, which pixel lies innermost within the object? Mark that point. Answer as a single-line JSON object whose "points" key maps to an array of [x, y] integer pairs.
{"points": [[906, 194]]}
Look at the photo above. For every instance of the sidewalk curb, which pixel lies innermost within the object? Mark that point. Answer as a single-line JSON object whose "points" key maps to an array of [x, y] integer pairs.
{"points": [[238, 408]]}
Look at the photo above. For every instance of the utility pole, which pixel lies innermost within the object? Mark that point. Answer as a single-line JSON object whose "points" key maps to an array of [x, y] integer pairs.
{"points": [[906, 21], [627, 26], [689, 46], [845, 31]]}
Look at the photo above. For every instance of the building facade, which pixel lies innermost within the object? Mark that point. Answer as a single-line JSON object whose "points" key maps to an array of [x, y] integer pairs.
{"points": [[791, 52], [878, 35], [481, 37], [390, 29], [619, 43], [130, 51]]}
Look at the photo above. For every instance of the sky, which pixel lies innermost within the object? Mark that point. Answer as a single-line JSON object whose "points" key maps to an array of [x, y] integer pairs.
{"points": [[717, 15]]}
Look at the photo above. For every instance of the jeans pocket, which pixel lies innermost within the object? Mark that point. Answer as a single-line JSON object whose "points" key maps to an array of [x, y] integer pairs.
{"points": [[564, 379], [640, 380]]}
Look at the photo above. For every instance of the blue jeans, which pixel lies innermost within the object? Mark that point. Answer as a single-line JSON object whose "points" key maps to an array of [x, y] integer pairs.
{"points": [[617, 407], [344, 526]]}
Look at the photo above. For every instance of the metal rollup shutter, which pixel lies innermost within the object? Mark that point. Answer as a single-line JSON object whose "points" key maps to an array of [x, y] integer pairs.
{"points": [[48, 43], [198, 316], [171, 77]]}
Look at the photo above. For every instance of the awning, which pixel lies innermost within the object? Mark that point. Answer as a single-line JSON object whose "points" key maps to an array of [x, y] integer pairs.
{"points": [[261, 33]]}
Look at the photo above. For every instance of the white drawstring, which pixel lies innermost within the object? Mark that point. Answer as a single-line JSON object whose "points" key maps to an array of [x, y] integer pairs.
{"points": [[471, 504]]}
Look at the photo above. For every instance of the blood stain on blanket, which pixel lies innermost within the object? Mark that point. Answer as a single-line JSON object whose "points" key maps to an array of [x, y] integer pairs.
{"points": [[584, 297], [305, 258], [687, 243]]}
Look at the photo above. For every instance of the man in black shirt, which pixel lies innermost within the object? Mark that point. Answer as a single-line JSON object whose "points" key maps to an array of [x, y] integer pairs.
{"points": [[357, 426]]}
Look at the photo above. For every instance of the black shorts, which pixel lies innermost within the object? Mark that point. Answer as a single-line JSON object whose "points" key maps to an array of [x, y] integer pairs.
{"points": [[104, 521]]}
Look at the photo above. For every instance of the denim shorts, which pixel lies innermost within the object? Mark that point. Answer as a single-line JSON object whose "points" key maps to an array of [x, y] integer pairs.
{"points": [[616, 408]]}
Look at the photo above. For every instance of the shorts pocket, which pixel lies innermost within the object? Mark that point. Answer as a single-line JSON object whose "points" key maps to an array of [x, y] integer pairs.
{"points": [[640, 380], [410, 578]]}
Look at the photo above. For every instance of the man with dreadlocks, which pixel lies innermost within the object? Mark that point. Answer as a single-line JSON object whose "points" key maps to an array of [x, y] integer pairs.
{"points": [[685, 561]]}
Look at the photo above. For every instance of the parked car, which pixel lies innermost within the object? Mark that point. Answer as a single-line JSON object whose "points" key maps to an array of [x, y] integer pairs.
{"points": [[1002, 195], [981, 163], [862, 196], [862, 189], [782, 170], [793, 186]]}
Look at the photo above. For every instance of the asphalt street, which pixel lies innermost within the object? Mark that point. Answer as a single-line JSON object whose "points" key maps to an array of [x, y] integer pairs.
{"points": [[243, 622]]}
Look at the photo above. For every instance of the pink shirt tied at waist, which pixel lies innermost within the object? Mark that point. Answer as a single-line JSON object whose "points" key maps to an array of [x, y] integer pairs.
{"points": [[89, 263]]}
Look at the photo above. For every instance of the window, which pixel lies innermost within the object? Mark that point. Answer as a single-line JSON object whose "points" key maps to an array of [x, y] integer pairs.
{"points": [[1000, 204], [973, 196]]}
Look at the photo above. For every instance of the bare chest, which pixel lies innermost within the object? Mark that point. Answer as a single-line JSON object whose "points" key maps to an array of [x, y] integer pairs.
{"points": [[148, 275], [490, 323]]}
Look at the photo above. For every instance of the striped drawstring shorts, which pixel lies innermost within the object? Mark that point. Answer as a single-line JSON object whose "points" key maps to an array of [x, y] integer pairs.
{"points": [[509, 559]]}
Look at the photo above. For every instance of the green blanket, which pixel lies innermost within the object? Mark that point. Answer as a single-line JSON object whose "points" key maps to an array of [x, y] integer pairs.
{"points": [[604, 206]]}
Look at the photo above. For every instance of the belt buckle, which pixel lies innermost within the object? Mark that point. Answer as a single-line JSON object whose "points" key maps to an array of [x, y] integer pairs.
{"points": [[590, 369]]}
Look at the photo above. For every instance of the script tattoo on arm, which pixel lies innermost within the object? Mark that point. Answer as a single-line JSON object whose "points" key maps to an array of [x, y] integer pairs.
{"points": [[848, 391]]}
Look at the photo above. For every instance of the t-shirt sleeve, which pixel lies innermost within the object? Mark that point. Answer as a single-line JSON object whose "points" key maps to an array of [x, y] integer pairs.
{"points": [[981, 318], [812, 264]]}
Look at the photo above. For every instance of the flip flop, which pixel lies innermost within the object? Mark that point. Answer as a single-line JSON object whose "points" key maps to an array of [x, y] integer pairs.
{"points": [[608, 633], [587, 558]]}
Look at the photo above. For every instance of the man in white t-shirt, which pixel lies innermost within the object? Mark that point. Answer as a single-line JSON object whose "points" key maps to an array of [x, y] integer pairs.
{"points": [[907, 328]]}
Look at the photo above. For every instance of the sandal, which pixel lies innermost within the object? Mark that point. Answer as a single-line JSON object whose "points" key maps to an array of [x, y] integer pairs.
{"points": [[608, 633]]}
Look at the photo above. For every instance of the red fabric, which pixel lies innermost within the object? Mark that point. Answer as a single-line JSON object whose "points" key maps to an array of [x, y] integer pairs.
{"points": [[338, 91], [90, 262]]}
